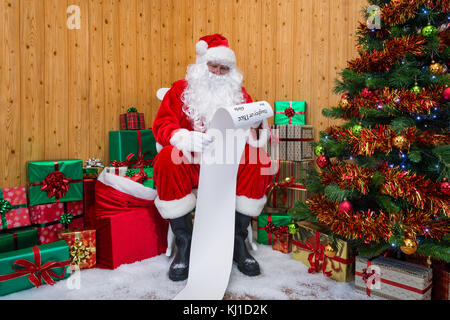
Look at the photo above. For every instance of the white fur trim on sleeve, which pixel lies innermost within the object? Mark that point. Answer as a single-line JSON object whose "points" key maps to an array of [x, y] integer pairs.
{"points": [[264, 135], [127, 186], [250, 207], [176, 208]]}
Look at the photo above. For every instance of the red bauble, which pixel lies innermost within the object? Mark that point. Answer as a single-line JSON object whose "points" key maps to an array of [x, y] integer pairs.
{"points": [[446, 94], [345, 206], [445, 188], [322, 161]]}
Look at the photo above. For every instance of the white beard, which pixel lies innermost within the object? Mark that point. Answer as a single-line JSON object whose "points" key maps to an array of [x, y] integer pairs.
{"points": [[206, 92]]}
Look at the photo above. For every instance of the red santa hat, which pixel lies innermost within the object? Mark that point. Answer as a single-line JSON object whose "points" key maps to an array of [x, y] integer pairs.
{"points": [[215, 48]]}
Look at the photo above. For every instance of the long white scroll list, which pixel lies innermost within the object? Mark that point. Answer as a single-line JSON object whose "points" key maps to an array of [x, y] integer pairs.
{"points": [[212, 244]]}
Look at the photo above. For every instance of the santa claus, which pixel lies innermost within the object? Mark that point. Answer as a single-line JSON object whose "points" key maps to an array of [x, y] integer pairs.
{"points": [[180, 127]]}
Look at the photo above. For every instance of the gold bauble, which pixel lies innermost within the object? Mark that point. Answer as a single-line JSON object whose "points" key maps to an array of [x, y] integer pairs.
{"points": [[399, 142], [344, 103], [329, 251], [409, 247], [436, 68]]}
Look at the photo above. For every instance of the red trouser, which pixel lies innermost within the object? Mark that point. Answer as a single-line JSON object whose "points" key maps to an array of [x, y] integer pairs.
{"points": [[175, 182]]}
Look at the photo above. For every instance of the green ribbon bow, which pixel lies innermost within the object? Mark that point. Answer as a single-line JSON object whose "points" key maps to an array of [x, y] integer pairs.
{"points": [[133, 109], [5, 206], [66, 219]]}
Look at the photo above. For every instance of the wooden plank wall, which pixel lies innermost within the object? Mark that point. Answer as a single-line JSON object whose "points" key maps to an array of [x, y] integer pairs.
{"points": [[62, 90]]}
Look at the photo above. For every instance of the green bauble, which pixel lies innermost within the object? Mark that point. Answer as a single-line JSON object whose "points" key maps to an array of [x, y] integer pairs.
{"points": [[416, 89], [293, 228], [319, 150], [429, 31], [357, 129]]}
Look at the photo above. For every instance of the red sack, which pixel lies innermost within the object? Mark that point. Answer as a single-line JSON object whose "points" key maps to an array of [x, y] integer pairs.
{"points": [[129, 228]]}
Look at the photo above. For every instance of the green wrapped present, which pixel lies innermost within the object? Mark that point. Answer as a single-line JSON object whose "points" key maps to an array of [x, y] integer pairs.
{"points": [[55, 181], [18, 239], [131, 148], [145, 176], [269, 223], [32, 267], [290, 112]]}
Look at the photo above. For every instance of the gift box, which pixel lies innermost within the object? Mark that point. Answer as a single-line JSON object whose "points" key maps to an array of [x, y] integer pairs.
{"points": [[132, 148], [55, 181], [286, 187], [128, 229], [291, 142], [92, 168], [390, 279], [268, 224], [82, 246], [282, 240], [18, 239], [13, 208], [441, 275], [441, 287], [32, 267], [143, 176], [290, 112], [132, 120], [312, 247], [46, 219], [92, 172], [118, 171]]}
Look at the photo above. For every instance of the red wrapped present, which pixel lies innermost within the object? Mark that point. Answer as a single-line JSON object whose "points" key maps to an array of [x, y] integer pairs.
{"points": [[129, 227], [89, 200], [441, 274], [13, 208], [46, 218], [82, 246], [282, 240], [132, 120]]}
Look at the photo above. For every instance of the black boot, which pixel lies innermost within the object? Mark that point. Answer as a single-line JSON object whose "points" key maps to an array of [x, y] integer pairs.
{"points": [[245, 262], [182, 229]]}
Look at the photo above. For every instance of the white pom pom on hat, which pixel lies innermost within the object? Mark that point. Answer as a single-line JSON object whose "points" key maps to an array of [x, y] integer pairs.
{"points": [[215, 48], [201, 47]]}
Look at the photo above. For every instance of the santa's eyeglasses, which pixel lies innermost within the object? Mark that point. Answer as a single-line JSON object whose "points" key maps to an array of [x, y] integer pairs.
{"points": [[218, 68]]}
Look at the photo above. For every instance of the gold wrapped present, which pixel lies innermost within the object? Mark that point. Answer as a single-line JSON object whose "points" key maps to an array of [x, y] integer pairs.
{"points": [[314, 249]]}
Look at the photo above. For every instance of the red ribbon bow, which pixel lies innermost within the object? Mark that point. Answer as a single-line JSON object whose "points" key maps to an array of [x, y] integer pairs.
{"points": [[270, 227], [280, 185], [117, 163], [283, 229], [140, 176], [56, 184], [367, 276], [317, 255], [35, 271], [140, 162], [289, 112]]}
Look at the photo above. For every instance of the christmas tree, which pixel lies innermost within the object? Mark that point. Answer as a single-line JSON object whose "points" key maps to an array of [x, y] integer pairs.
{"points": [[382, 181]]}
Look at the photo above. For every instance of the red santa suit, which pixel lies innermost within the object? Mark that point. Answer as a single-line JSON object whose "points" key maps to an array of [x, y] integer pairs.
{"points": [[176, 182]]}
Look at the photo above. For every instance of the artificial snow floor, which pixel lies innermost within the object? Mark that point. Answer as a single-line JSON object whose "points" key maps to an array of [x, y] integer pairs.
{"points": [[281, 279]]}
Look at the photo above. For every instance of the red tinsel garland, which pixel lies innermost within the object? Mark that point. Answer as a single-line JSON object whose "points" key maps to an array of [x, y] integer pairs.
{"points": [[394, 51], [402, 99], [400, 11], [415, 189], [380, 139], [375, 227]]}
